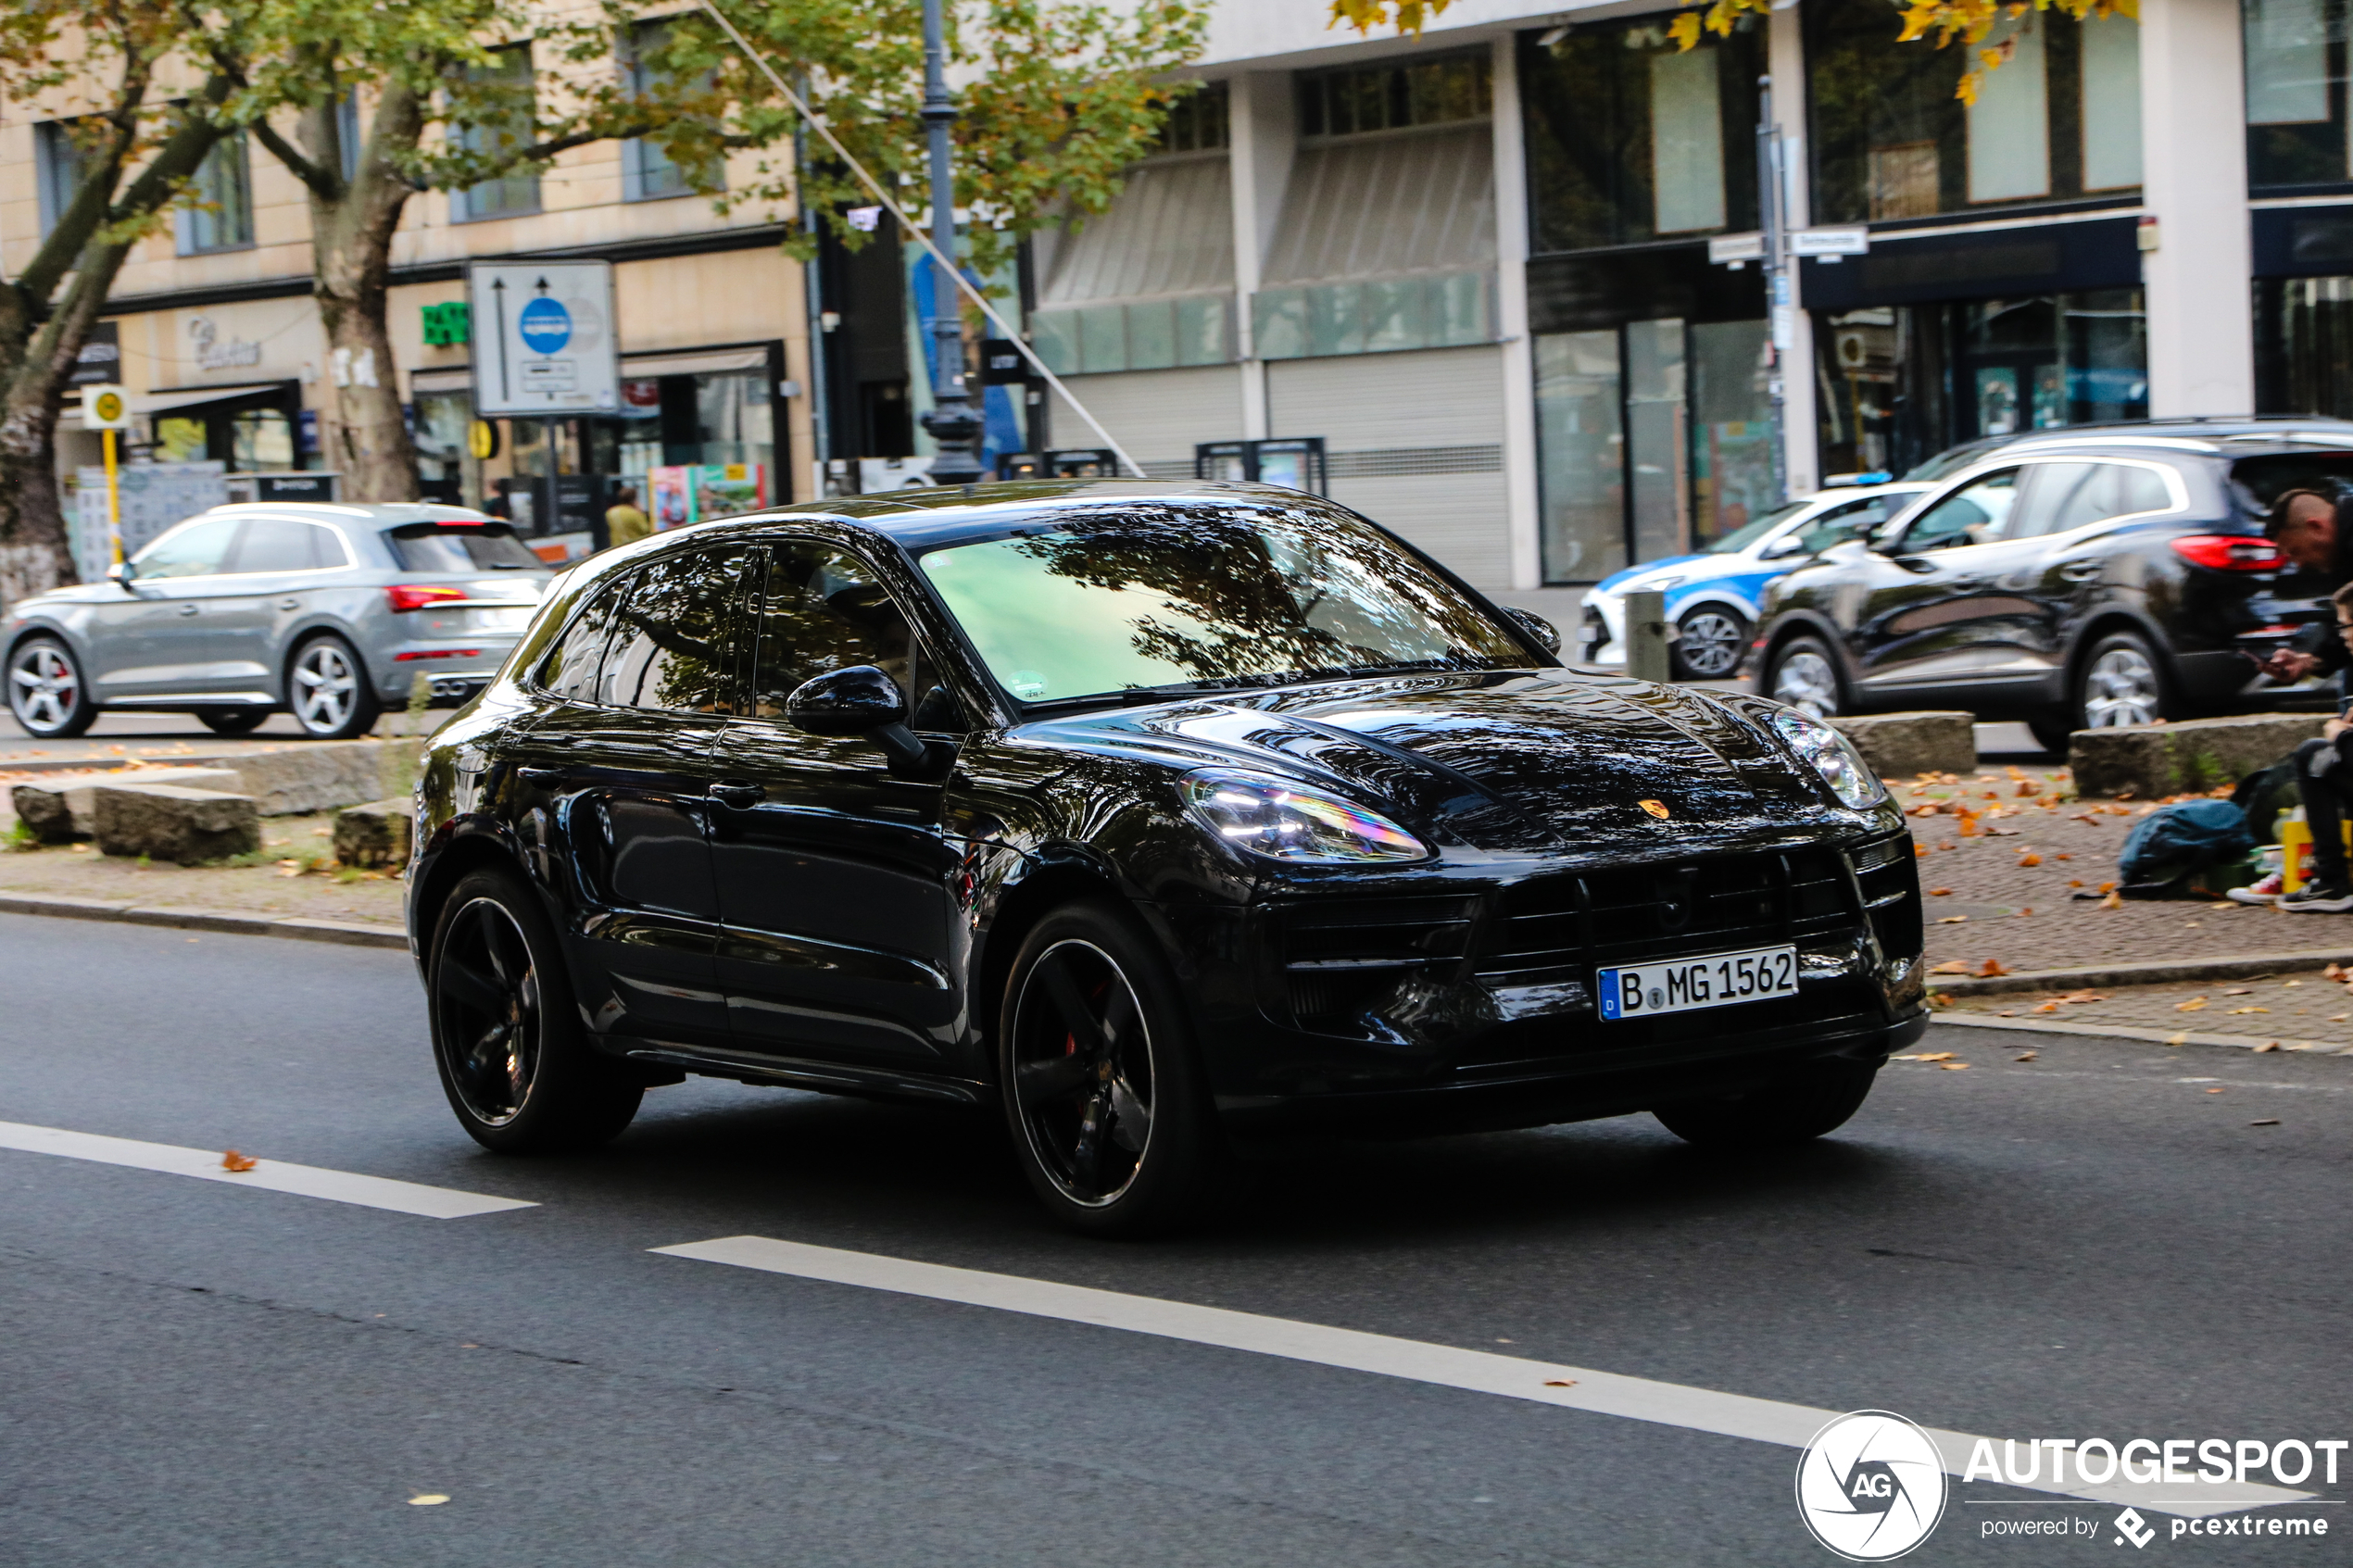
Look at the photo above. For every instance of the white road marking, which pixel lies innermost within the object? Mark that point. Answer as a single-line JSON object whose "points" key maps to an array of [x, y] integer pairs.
{"points": [[1482, 1372], [275, 1175]]}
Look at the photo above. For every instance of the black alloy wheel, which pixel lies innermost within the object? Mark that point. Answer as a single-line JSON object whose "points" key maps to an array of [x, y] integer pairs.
{"points": [[1804, 1103], [232, 720], [1708, 643], [46, 693], [1804, 673], [1109, 1121], [506, 1032]]}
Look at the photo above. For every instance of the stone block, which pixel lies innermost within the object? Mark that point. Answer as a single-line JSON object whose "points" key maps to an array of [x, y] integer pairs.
{"points": [[59, 811], [375, 834], [321, 776], [1900, 745], [170, 822], [2153, 759]]}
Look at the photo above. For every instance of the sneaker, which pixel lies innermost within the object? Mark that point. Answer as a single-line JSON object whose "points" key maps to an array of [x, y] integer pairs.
{"points": [[2264, 892], [2320, 898]]}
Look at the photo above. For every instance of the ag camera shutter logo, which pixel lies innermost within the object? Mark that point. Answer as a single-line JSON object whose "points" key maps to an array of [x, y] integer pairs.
{"points": [[1871, 1485]]}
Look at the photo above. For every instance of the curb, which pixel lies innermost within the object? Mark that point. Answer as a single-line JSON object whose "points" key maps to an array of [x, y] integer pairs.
{"points": [[348, 933], [2132, 1031], [2158, 973]]}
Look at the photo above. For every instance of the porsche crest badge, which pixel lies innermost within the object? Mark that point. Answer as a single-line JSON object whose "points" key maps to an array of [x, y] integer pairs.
{"points": [[1655, 808]]}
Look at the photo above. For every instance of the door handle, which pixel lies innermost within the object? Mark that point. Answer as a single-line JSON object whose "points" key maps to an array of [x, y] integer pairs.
{"points": [[188, 609], [739, 794], [2081, 572], [289, 604]]}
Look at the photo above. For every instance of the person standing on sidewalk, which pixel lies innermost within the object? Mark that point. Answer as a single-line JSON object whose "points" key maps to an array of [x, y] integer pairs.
{"points": [[2324, 779], [624, 524]]}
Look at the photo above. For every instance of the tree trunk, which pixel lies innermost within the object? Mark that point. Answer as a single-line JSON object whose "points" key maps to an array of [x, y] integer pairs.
{"points": [[35, 554], [362, 433]]}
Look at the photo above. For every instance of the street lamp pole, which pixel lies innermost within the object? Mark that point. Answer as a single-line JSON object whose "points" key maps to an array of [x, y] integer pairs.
{"points": [[953, 424]]}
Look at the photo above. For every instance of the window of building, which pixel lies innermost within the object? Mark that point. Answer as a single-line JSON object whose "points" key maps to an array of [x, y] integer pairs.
{"points": [[218, 214], [1393, 97], [648, 172], [506, 124], [1196, 122], [1653, 438], [1631, 139], [2304, 345], [60, 163], [1899, 383], [1150, 284], [2297, 123], [2056, 120]]}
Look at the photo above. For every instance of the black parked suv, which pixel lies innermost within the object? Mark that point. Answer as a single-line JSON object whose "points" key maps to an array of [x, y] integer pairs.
{"points": [[2108, 574], [1157, 815]]}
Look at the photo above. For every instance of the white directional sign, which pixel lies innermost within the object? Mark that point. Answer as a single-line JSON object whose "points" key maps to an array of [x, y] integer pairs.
{"points": [[544, 338]]}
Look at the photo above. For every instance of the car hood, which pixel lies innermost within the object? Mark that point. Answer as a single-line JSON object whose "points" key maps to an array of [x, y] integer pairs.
{"points": [[1631, 578], [1516, 760]]}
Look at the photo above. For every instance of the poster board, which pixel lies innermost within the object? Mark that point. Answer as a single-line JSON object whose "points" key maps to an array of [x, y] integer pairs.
{"points": [[681, 493], [155, 495]]}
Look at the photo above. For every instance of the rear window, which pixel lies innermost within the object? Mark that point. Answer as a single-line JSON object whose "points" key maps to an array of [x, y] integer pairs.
{"points": [[435, 546]]}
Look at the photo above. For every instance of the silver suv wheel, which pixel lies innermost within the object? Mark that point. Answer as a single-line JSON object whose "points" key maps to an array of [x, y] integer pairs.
{"points": [[2121, 687], [328, 691], [1708, 642], [1804, 679], [45, 690]]}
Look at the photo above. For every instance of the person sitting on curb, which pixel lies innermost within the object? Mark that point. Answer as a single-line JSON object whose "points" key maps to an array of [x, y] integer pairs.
{"points": [[2324, 779]]}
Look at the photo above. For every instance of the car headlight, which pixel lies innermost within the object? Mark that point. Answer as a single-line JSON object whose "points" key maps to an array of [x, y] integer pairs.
{"points": [[1833, 756], [1286, 821], [1660, 585]]}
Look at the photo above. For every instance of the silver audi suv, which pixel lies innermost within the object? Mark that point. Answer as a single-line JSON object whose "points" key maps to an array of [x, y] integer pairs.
{"points": [[330, 612]]}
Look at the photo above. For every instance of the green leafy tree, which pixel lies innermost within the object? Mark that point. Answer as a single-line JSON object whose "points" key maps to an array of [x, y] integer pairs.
{"points": [[136, 110]]}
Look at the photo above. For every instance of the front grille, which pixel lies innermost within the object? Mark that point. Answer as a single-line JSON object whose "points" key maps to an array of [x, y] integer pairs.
{"points": [[1670, 911], [1338, 957]]}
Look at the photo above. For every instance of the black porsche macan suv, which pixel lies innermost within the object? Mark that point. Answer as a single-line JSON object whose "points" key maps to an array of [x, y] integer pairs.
{"points": [[2107, 574], [1163, 816]]}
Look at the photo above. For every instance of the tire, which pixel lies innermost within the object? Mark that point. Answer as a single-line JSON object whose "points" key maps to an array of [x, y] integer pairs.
{"points": [[1708, 643], [46, 692], [506, 1036], [2052, 732], [2120, 680], [1804, 673], [1111, 1120], [1804, 1104], [328, 691], [232, 720]]}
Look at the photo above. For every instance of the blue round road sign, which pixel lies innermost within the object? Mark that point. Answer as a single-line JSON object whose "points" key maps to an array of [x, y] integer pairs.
{"points": [[545, 324]]}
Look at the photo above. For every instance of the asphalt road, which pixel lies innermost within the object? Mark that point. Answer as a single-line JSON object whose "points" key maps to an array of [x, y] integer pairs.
{"points": [[2086, 1244]]}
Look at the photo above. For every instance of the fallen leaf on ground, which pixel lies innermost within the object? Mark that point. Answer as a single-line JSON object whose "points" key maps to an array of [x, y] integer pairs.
{"points": [[2075, 882], [2126, 793], [2235, 1011], [1560, 1383], [1951, 919], [1920, 851], [1939, 999], [2026, 1055], [2191, 1006], [2027, 786], [2113, 901], [2265, 1122], [233, 1161], [2181, 1039], [2108, 887], [1934, 1056], [2336, 972], [2049, 1007], [2213, 1091], [1951, 966], [2337, 1017], [1939, 892], [1991, 968], [2024, 912], [2084, 997], [2030, 859], [2238, 991], [427, 1499], [1953, 1066], [2064, 857], [2267, 1046]]}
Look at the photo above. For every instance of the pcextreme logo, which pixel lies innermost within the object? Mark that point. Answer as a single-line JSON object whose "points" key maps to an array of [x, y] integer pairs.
{"points": [[1870, 1486]]}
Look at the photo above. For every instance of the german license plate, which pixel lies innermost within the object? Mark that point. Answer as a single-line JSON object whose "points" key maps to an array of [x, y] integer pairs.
{"points": [[502, 618], [1684, 985]]}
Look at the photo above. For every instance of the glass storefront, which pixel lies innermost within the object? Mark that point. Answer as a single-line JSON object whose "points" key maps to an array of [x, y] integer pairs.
{"points": [[2296, 92], [1654, 438], [2304, 345], [1897, 384]]}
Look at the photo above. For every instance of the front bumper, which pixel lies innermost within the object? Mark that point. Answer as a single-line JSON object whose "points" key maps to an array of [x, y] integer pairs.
{"points": [[1472, 1007], [1602, 635]]}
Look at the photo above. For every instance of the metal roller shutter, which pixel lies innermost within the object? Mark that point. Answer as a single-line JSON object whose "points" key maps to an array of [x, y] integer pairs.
{"points": [[1157, 415]]}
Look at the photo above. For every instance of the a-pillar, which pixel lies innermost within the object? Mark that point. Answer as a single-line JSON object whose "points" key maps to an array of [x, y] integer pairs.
{"points": [[2201, 336]]}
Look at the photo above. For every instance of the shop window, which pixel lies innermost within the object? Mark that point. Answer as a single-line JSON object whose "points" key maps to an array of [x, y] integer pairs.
{"points": [[1631, 139], [447, 470], [1394, 97], [1653, 438], [260, 441], [2304, 345], [60, 163], [1898, 385], [180, 440], [2297, 123], [2057, 118], [506, 124], [218, 214]]}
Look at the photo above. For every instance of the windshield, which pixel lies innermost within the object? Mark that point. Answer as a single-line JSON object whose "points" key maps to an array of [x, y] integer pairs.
{"points": [[1189, 596], [1746, 534], [440, 547]]}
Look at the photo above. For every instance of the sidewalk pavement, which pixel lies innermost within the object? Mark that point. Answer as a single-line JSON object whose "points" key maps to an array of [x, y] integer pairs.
{"points": [[2295, 1010]]}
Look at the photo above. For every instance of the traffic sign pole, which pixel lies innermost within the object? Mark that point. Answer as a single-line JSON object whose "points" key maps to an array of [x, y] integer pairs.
{"points": [[114, 502]]}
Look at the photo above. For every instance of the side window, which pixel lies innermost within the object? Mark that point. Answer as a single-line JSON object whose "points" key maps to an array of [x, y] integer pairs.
{"points": [[200, 551], [2107, 490], [822, 610], [570, 668], [1978, 513], [1850, 521], [670, 647], [285, 544]]}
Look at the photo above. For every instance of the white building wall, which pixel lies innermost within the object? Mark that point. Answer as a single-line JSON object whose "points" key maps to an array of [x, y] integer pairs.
{"points": [[2201, 330], [1156, 415]]}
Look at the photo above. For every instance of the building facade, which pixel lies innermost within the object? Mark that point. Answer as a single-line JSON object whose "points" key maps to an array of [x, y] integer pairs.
{"points": [[1476, 263]]}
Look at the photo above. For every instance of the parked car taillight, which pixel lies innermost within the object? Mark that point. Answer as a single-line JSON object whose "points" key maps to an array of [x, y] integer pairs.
{"points": [[414, 596], [2231, 552]]}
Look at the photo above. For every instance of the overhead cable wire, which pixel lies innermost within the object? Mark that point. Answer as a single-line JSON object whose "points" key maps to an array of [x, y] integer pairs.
{"points": [[909, 225]]}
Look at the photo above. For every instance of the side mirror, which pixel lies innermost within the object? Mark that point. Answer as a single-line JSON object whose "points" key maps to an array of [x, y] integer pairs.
{"points": [[859, 700], [1846, 552], [1788, 545], [1536, 626], [121, 572]]}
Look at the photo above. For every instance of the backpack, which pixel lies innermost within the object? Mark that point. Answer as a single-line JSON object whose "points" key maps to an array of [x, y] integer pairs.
{"points": [[2172, 842]]}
